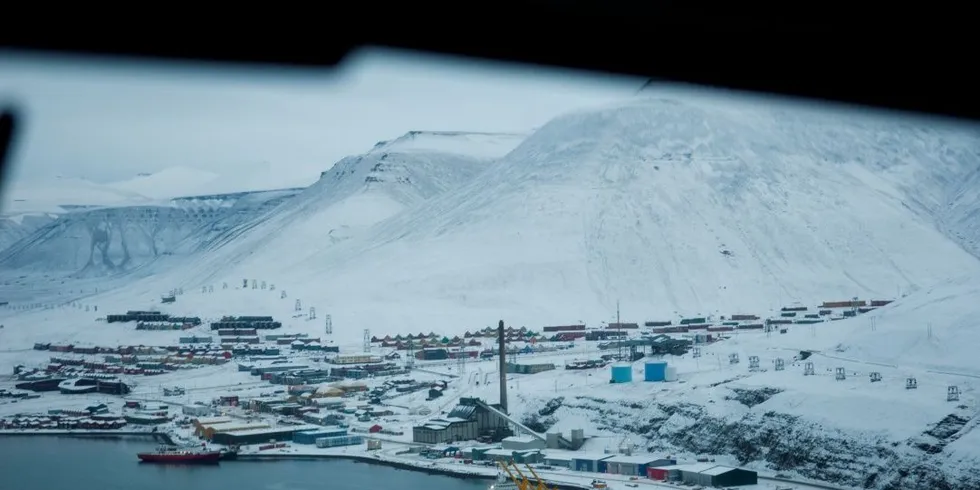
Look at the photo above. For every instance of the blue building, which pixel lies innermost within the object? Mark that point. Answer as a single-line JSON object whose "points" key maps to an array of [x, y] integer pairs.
{"points": [[310, 436], [595, 463]]}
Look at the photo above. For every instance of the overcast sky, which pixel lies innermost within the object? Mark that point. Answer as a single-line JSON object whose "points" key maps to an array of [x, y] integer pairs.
{"points": [[108, 122]]}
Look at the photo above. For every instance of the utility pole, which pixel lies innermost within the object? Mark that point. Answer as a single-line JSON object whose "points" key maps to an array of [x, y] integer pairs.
{"points": [[619, 332]]}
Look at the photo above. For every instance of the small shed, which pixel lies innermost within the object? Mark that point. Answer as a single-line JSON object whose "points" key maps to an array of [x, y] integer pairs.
{"points": [[374, 429]]}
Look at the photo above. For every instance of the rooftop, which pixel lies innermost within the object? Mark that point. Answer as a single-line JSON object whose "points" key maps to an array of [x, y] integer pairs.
{"points": [[276, 430], [635, 459], [717, 470], [520, 439]]}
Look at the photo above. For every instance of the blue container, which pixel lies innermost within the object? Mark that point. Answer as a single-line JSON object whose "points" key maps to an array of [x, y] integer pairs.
{"points": [[655, 371], [622, 374]]}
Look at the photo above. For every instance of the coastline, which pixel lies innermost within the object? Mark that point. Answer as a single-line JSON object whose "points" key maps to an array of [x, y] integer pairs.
{"points": [[431, 470], [441, 470], [108, 434]]}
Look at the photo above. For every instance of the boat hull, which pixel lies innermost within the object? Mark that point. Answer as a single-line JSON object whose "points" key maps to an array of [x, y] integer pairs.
{"points": [[193, 458]]}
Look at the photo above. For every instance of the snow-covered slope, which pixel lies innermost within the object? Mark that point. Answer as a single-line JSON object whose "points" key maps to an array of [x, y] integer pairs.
{"points": [[16, 227], [352, 196], [107, 240], [672, 206], [934, 329]]}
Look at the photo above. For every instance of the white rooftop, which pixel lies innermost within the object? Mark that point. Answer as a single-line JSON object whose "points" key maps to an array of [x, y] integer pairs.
{"points": [[635, 459], [520, 439], [717, 470]]}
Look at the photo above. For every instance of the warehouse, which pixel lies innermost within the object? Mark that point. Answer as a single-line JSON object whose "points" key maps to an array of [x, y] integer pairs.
{"points": [[208, 432], [468, 421], [260, 436], [506, 455], [595, 463], [560, 460], [443, 430], [726, 476], [310, 436], [711, 475], [635, 465], [522, 443]]}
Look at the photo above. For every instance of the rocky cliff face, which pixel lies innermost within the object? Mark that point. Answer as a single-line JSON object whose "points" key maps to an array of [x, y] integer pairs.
{"points": [[775, 443]]}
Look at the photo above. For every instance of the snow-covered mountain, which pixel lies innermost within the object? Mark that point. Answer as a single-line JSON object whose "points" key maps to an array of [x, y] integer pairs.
{"points": [[671, 206], [27, 207], [94, 241], [355, 193], [351, 197]]}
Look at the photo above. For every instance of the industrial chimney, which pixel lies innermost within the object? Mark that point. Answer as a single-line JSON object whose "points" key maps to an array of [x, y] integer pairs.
{"points": [[503, 366]]}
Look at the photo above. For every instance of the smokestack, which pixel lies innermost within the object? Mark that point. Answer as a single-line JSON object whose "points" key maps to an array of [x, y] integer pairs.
{"points": [[503, 366]]}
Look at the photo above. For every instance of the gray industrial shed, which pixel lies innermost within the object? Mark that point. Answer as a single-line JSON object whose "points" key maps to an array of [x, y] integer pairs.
{"points": [[467, 421], [712, 475], [443, 430]]}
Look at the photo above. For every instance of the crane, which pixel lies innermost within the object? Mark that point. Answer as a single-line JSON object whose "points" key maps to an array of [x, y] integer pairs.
{"points": [[541, 483], [522, 484]]}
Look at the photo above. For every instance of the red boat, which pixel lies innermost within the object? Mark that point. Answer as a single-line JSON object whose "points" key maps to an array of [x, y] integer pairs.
{"points": [[180, 456]]}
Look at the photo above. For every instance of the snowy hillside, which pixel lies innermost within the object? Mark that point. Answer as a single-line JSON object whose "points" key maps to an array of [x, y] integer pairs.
{"points": [[28, 206], [350, 197], [103, 240], [675, 208], [16, 227]]}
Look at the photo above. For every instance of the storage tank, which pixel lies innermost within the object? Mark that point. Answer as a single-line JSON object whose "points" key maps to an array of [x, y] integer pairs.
{"points": [[670, 374], [622, 373], [655, 371]]}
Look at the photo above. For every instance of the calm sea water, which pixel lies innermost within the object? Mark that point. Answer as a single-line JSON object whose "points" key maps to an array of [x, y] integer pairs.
{"points": [[64, 463]]}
